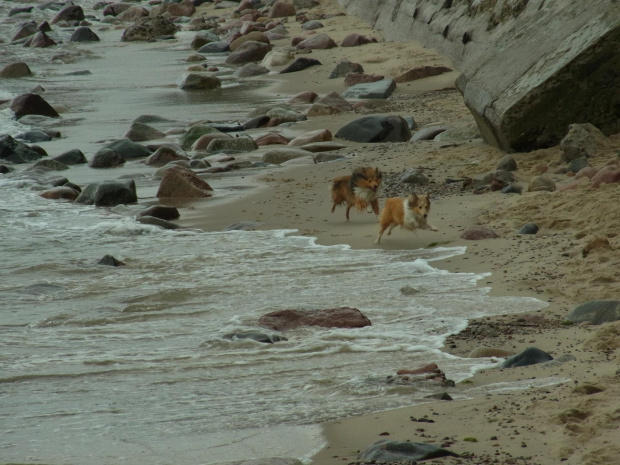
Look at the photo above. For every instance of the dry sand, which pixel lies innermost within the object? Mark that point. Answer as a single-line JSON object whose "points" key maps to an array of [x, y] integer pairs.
{"points": [[576, 420]]}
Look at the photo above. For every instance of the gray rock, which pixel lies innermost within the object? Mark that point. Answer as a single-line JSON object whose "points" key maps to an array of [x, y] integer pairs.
{"points": [[34, 135], [193, 134], [180, 182], [529, 228], [140, 132], [376, 129], [250, 69], [300, 64], [255, 336], [149, 28], [345, 67], [32, 104], [248, 52], [198, 81], [530, 356], [106, 158], [413, 176], [109, 260], [371, 90], [153, 221], [507, 163], [578, 164], [128, 149], [163, 212], [14, 151], [71, 157], [311, 25], [324, 157], [236, 145], [281, 155], [109, 193], [595, 312], [390, 451], [15, 70], [511, 189], [48, 164], [215, 47], [83, 34]]}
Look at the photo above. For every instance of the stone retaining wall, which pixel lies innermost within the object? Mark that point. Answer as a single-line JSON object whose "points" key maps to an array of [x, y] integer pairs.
{"points": [[529, 68]]}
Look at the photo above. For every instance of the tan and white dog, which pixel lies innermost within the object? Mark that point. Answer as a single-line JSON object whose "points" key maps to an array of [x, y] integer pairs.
{"points": [[410, 213]]}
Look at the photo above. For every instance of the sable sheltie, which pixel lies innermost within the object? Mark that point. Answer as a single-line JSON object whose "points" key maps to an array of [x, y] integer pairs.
{"points": [[359, 190], [410, 213]]}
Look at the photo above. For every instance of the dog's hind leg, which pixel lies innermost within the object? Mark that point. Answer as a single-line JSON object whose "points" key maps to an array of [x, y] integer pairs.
{"points": [[392, 226], [349, 206]]}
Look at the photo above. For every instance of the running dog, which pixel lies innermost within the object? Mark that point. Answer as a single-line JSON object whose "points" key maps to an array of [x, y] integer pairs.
{"points": [[360, 190], [410, 213]]}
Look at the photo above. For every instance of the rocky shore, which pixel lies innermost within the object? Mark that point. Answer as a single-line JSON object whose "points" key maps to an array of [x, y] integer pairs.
{"points": [[542, 223]]}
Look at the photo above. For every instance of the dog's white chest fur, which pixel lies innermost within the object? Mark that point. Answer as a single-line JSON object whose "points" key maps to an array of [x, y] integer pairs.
{"points": [[412, 220], [367, 195]]}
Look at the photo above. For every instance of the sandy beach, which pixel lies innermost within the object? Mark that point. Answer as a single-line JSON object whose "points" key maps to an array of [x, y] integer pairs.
{"points": [[574, 421], [507, 416]]}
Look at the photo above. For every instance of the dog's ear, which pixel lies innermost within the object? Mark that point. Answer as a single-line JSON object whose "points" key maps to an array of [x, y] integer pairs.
{"points": [[412, 200]]}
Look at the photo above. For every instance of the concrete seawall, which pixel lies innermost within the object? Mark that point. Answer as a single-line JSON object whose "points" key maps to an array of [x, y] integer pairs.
{"points": [[529, 68]]}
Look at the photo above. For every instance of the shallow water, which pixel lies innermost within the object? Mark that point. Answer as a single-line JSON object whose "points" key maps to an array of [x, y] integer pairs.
{"points": [[103, 365]]}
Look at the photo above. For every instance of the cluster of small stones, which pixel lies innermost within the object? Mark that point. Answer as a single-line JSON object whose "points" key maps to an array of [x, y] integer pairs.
{"points": [[391, 186]]}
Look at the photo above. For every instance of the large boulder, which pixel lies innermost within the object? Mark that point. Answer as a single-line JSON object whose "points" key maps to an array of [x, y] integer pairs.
{"points": [[84, 34], [281, 9], [106, 158], [376, 129], [530, 356], [140, 132], [179, 182], [343, 317], [198, 81], [32, 104], [71, 157], [14, 151], [69, 13], [528, 69], [15, 70], [595, 312], [248, 52], [109, 193], [255, 36], [391, 451], [149, 28], [128, 149]]}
